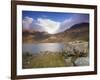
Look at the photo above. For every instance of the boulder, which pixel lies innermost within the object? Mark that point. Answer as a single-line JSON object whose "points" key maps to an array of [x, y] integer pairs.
{"points": [[80, 49], [82, 61]]}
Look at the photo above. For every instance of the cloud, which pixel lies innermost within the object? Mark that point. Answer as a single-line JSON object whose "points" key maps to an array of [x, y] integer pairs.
{"points": [[27, 21], [48, 25], [75, 19], [66, 24], [51, 26]]}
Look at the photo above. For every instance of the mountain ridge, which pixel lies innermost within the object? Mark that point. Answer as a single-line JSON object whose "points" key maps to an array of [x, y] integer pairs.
{"points": [[76, 32]]}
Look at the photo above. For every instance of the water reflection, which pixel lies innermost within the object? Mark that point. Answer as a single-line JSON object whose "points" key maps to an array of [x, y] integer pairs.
{"points": [[36, 48]]}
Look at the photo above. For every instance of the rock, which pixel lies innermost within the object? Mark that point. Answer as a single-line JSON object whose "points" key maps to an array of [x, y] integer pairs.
{"points": [[68, 49], [82, 61], [80, 49]]}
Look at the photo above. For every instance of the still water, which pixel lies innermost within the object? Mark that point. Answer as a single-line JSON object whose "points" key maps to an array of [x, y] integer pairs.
{"points": [[36, 48]]}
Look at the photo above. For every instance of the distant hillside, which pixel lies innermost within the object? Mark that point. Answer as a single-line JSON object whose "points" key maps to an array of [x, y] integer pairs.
{"points": [[79, 31], [80, 26], [76, 32]]}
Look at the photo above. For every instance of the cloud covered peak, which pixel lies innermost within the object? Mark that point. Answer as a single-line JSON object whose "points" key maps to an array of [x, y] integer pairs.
{"points": [[52, 26], [49, 25]]}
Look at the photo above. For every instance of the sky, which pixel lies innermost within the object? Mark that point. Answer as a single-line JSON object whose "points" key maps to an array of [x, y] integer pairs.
{"points": [[51, 22]]}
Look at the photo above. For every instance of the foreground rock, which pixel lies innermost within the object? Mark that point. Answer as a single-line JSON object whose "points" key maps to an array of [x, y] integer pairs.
{"points": [[82, 61], [76, 48]]}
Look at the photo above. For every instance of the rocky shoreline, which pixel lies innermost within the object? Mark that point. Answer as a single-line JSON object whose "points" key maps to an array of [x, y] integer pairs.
{"points": [[73, 54]]}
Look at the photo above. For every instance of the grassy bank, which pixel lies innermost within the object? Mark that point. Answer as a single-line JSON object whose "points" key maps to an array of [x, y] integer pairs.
{"points": [[46, 59]]}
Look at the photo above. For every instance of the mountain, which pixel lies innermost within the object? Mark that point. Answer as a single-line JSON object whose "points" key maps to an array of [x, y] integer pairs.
{"points": [[80, 26], [76, 32], [79, 31]]}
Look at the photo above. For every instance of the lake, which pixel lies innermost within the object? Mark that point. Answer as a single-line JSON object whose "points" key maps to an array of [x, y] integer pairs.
{"points": [[36, 48]]}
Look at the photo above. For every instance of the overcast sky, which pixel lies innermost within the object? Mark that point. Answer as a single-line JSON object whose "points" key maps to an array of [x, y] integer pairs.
{"points": [[51, 22]]}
